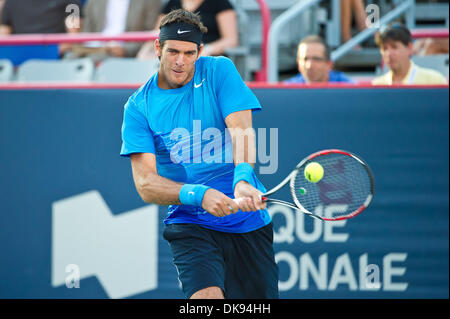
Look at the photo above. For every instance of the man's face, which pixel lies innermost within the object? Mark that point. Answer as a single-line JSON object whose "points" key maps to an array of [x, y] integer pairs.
{"points": [[312, 62], [177, 62], [395, 54]]}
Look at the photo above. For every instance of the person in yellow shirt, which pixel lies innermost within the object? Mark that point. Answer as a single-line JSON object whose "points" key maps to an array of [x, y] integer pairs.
{"points": [[396, 48]]}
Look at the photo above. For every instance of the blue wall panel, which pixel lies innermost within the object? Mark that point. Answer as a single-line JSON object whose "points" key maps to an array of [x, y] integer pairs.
{"points": [[64, 144]]}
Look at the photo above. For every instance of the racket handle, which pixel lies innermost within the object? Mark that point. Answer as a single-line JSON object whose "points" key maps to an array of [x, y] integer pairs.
{"points": [[239, 200]]}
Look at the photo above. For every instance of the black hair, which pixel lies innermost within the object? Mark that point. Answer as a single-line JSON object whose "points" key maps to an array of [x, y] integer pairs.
{"points": [[394, 32]]}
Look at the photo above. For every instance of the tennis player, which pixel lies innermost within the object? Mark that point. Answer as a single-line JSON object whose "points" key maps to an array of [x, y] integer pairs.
{"points": [[221, 249]]}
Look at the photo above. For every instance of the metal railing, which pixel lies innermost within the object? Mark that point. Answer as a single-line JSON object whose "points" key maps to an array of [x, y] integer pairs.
{"points": [[56, 38], [275, 30], [265, 22]]}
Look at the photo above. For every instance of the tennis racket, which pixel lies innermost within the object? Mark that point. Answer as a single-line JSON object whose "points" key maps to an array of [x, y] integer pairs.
{"points": [[345, 190]]}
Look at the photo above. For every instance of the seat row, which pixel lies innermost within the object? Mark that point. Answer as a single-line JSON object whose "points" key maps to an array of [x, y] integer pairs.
{"points": [[112, 70]]}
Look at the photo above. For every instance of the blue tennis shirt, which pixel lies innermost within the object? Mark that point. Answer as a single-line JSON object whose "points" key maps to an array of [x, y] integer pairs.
{"points": [[185, 129]]}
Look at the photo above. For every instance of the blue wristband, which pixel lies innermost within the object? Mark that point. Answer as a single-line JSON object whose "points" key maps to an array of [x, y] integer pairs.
{"points": [[243, 172], [192, 194]]}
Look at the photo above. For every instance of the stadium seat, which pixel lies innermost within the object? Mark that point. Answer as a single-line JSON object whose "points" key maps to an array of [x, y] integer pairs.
{"points": [[126, 70], [438, 62], [6, 70], [80, 70]]}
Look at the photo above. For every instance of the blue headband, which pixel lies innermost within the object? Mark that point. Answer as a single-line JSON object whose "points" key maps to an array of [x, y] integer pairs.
{"points": [[181, 31]]}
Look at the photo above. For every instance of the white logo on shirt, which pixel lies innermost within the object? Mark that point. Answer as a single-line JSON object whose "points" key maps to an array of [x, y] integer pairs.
{"points": [[181, 32], [191, 193], [200, 84]]}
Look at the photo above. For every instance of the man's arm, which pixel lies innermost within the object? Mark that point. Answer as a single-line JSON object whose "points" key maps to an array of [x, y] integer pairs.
{"points": [[5, 29], [244, 151], [239, 125], [229, 35], [154, 188]]}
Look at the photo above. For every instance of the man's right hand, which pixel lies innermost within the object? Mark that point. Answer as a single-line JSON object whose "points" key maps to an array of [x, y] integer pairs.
{"points": [[218, 204]]}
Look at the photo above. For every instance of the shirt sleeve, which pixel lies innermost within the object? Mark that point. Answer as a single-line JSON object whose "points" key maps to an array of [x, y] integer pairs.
{"points": [[381, 80], [222, 5], [136, 134], [437, 78], [233, 94]]}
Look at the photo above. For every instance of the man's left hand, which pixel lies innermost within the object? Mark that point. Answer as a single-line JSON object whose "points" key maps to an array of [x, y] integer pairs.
{"points": [[251, 197]]}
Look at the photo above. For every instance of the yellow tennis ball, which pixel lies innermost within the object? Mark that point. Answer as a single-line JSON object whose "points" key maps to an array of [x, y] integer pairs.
{"points": [[313, 172]]}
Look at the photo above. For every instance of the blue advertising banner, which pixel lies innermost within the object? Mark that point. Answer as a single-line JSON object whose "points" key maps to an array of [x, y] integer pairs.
{"points": [[73, 226]]}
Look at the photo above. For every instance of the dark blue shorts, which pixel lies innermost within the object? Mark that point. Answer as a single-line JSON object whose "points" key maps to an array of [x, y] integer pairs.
{"points": [[242, 265]]}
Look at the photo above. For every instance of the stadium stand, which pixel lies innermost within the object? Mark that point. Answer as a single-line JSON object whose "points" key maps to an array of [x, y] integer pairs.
{"points": [[316, 19], [366, 59], [289, 39]]}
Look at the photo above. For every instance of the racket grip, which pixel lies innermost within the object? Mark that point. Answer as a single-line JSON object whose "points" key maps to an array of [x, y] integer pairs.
{"points": [[239, 200]]}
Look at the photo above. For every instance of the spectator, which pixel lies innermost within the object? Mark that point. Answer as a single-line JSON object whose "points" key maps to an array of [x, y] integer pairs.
{"points": [[28, 16], [314, 63], [113, 17], [2, 3], [396, 47], [217, 15], [350, 8]]}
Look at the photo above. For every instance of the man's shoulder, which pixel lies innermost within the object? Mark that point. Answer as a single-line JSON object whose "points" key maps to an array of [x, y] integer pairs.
{"points": [[138, 99], [214, 61], [296, 79], [337, 76], [430, 76], [214, 67]]}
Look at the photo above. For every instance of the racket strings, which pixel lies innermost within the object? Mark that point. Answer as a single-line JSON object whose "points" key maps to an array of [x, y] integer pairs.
{"points": [[343, 189]]}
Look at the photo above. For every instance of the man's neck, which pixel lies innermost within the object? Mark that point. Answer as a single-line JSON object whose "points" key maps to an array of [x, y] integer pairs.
{"points": [[399, 75]]}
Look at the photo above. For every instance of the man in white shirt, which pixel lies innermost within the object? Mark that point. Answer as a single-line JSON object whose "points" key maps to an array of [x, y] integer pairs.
{"points": [[396, 48]]}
